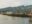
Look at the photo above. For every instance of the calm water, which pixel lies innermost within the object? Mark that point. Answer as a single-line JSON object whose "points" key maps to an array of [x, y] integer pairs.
{"points": [[13, 20]]}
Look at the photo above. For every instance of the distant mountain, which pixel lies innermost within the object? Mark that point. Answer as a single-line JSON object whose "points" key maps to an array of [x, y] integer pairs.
{"points": [[13, 9]]}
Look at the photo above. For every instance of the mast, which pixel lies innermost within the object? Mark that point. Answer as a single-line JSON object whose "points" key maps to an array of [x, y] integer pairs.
{"points": [[30, 16]]}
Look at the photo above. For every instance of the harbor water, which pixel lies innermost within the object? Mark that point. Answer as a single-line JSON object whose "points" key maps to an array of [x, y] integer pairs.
{"points": [[4, 19]]}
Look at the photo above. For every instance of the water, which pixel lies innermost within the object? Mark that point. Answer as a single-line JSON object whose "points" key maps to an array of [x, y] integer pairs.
{"points": [[4, 19]]}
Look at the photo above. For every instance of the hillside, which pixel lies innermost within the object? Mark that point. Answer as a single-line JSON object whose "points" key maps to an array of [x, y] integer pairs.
{"points": [[21, 9]]}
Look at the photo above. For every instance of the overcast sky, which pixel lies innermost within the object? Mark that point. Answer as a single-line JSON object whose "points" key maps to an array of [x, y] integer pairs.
{"points": [[14, 3]]}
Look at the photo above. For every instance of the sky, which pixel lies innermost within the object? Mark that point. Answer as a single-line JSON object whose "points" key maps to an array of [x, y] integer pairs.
{"points": [[14, 3]]}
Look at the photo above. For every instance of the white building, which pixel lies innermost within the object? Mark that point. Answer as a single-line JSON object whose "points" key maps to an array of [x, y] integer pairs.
{"points": [[9, 12]]}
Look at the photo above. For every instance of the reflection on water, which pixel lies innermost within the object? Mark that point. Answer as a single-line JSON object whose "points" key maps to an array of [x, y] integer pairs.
{"points": [[13, 20]]}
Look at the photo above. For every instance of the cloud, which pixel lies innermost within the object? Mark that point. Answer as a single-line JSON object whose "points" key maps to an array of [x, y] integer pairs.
{"points": [[14, 3]]}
